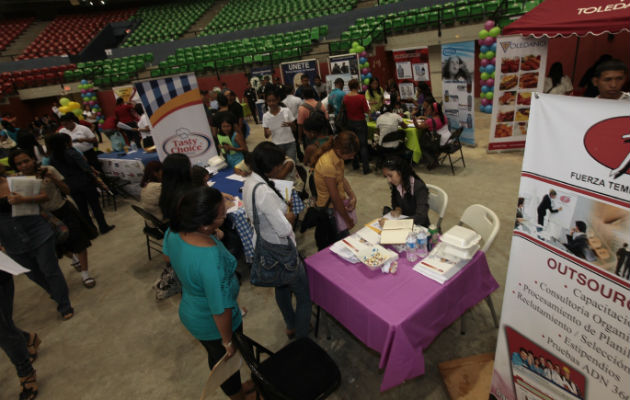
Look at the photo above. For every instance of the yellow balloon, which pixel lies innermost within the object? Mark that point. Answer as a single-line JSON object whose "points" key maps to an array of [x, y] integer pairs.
{"points": [[64, 109], [73, 105]]}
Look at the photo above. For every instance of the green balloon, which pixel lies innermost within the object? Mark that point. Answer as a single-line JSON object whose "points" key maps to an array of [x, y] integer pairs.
{"points": [[492, 75], [482, 56], [355, 45], [64, 101], [489, 54], [494, 32], [366, 81], [366, 64], [360, 48], [489, 95], [483, 34], [484, 76], [77, 111]]}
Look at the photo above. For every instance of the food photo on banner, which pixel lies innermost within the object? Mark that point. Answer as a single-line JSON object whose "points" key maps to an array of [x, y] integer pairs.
{"points": [[520, 71], [175, 110], [412, 66], [292, 72], [344, 64], [458, 63], [567, 298]]}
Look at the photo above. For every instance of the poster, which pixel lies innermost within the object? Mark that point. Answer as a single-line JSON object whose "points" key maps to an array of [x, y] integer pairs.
{"points": [[458, 65], [258, 74], [292, 72], [175, 109], [521, 64], [565, 323], [127, 92], [331, 78], [412, 66], [344, 64]]}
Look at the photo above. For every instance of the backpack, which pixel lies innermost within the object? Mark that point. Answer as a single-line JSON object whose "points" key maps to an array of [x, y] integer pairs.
{"points": [[317, 109]]}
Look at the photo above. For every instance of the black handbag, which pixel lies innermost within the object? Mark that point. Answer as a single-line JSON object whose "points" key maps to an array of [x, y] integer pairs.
{"points": [[274, 264]]}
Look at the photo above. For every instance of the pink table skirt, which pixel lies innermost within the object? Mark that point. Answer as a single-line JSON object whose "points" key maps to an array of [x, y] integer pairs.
{"points": [[397, 315]]}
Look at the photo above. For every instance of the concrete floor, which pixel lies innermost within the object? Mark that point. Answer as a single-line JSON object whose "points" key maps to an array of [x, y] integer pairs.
{"points": [[122, 344]]}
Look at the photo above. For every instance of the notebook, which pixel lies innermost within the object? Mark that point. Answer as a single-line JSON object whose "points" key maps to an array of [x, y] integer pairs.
{"points": [[396, 231]]}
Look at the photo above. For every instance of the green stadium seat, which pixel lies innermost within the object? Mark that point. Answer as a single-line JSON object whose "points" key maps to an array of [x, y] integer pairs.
{"points": [[422, 20]]}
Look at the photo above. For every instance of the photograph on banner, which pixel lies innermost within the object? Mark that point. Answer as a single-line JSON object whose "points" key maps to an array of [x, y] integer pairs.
{"points": [[421, 72], [175, 110], [258, 74], [292, 72], [127, 92], [458, 63], [344, 64], [520, 72], [331, 78], [412, 66]]}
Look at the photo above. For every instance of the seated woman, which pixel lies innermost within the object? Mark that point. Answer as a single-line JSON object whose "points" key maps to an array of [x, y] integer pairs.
{"points": [[151, 185], [433, 121], [410, 195], [232, 143], [386, 123]]}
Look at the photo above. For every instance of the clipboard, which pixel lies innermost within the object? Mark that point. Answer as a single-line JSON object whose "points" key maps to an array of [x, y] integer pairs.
{"points": [[221, 372]]}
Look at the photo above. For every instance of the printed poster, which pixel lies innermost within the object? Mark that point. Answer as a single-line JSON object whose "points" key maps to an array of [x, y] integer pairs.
{"points": [[458, 65], [258, 74], [344, 64], [521, 64], [127, 92], [292, 71], [565, 323], [175, 109], [412, 66], [331, 78]]}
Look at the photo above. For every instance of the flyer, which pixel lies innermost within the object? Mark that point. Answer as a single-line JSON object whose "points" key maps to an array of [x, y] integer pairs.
{"points": [[292, 72], [412, 66], [344, 64]]}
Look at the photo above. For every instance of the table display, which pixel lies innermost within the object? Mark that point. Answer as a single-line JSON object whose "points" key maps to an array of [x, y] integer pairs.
{"points": [[412, 139], [128, 166]]}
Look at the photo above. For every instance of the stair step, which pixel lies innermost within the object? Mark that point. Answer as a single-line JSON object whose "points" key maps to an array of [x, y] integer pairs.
{"points": [[21, 42], [207, 17]]}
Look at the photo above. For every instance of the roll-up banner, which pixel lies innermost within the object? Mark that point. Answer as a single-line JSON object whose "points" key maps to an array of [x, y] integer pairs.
{"points": [[258, 74], [175, 109], [565, 322], [520, 71], [292, 72], [344, 64], [458, 90], [412, 66]]}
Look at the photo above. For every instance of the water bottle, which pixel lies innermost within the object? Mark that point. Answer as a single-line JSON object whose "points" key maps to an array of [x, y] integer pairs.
{"points": [[411, 248], [133, 146], [421, 244]]}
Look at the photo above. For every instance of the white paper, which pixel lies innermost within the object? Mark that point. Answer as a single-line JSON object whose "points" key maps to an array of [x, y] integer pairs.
{"points": [[25, 186], [7, 264], [285, 188], [369, 234], [236, 177], [237, 204]]}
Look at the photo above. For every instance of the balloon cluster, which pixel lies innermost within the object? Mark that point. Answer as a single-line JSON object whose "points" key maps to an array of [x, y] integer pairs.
{"points": [[88, 95], [487, 51], [364, 64]]}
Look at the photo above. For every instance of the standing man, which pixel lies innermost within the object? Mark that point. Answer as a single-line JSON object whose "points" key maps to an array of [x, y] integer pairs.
{"points": [[545, 205], [235, 108], [126, 114], [83, 139], [279, 87], [320, 87], [336, 96], [609, 78], [622, 255], [293, 104], [250, 96], [306, 83]]}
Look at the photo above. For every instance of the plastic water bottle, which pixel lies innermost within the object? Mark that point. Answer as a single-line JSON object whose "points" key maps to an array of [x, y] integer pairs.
{"points": [[421, 244], [411, 248], [133, 146]]}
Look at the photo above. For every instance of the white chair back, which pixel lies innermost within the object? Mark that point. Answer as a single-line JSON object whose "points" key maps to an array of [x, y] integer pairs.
{"points": [[483, 221], [438, 200]]}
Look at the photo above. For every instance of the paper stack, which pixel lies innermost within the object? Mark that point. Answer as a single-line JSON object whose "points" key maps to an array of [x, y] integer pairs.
{"points": [[396, 231], [354, 249], [25, 186], [439, 265]]}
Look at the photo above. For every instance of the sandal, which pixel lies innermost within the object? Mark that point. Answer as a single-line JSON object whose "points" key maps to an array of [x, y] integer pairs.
{"points": [[32, 346], [89, 282], [68, 316], [28, 392]]}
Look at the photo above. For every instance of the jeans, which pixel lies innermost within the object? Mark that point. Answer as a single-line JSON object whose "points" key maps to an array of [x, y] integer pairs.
{"points": [[13, 340], [361, 129], [298, 319], [87, 195], [254, 110], [290, 150], [215, 351], [45, 271]]}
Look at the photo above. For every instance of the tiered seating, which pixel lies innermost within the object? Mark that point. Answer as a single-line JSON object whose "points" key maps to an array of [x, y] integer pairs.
{"points": [[10, 30], [10, 81], [111, 70], [70, 34], [278, 47], [248, 14], [165, 22]]}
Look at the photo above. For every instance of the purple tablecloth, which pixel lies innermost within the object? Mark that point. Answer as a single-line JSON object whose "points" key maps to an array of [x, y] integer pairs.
{"points": [[397, 315]]}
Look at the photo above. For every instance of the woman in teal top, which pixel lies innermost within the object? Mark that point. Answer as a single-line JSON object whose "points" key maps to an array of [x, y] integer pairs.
{"points": [[232, 143], [206, 270]]}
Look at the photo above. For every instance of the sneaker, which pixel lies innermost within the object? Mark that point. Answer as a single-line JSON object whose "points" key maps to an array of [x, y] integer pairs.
{"points": [[165, 293]]}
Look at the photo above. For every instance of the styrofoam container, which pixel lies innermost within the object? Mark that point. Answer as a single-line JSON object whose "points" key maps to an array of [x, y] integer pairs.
{"points": [[459, 252], [461, 237]]}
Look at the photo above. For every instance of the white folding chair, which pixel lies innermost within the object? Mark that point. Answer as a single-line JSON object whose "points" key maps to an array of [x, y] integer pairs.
{"points": [[485, 222], [438, 200]]}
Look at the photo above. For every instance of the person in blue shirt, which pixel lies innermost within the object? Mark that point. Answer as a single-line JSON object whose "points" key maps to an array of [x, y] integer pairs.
{"points": [[336, 95], [206, 269], [520, 358]]}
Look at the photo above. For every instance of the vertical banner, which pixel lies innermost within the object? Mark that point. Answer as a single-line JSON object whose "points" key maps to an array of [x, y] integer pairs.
{"points": [[344, 64], [520, 72], [458, 65], [565, 322], [292, 72], [412, 66], [258, 74], [175, 109]]}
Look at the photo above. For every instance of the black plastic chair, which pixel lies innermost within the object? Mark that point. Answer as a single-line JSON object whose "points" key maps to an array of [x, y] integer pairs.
{"points": [[400, 150], [452, 146], [154, 230], [301, 370]]}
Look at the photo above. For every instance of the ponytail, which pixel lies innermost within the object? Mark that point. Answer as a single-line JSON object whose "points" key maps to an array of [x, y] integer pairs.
{"points": [[265, 157]]}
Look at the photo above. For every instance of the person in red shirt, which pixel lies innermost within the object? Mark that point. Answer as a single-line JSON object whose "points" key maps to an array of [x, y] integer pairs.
{"points": [[126, 114], [356, 106]]}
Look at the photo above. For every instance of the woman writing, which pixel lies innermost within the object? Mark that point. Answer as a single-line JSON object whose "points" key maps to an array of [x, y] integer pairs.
{"points": [[410, 195], [232, 143], [356, 107], [151, 185], [334, 194], [276, 226], [374, 95], [435, 125], [208, 308]]}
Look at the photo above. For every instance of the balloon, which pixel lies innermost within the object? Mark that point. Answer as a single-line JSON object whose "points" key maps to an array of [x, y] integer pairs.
{"points": [[484, 62], [365, 88], [92, 102], [482, 69], [363, 54], [489, 54], [484, 101], [64, 109], [481, 107], [73, 105], [493, 47], [488, 109], [490, 69], [366, 65], [362, 60], [488, 25], [366, 81], [365, 71], [483, 34], [484, 76], [484, 89], [489, 95], [494, 32], [369, 75], [98, 113], [480, 42], [355, 45], [77, 112], [83, 91], [64, 101], [484, 49], [493, 61], [490, 82], [361, 49], [492, 75], [489, 41], [482, 56], [83, 81]]}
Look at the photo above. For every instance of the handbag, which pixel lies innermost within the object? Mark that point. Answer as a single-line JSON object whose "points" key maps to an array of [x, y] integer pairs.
{"points": [[62, 233], [274, 264]]}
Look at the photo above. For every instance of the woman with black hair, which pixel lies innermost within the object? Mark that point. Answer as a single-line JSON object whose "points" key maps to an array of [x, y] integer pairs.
{"points": [[436, 132], [556, 82], [423, 91], [374, 95], [208, 308], [176, 180], [276, 226], [454, 69], [410, 195]]}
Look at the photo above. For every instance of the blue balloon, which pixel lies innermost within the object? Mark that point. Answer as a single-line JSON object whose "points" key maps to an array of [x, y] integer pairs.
{"points": [[362, 60], [487, 109], [83, 81], [482, 108], [483, 49], [489, 68], [482, 69], [484, 89], [363, 77], [369, 75], [493, 47]]}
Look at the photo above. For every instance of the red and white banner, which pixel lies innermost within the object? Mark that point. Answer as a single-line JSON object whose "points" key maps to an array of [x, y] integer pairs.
{"points": [[565, 324], [520, 72], [412, 66]]}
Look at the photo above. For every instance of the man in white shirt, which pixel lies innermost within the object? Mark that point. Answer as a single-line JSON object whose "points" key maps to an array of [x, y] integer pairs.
{"points": [[292, 102], [83, 139], [386, 123], [144, 127], [609, 78]]}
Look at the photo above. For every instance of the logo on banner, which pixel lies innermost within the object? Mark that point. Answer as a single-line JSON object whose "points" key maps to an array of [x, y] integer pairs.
{"points": [[608, 142], [505, 46], [184, 141]]}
